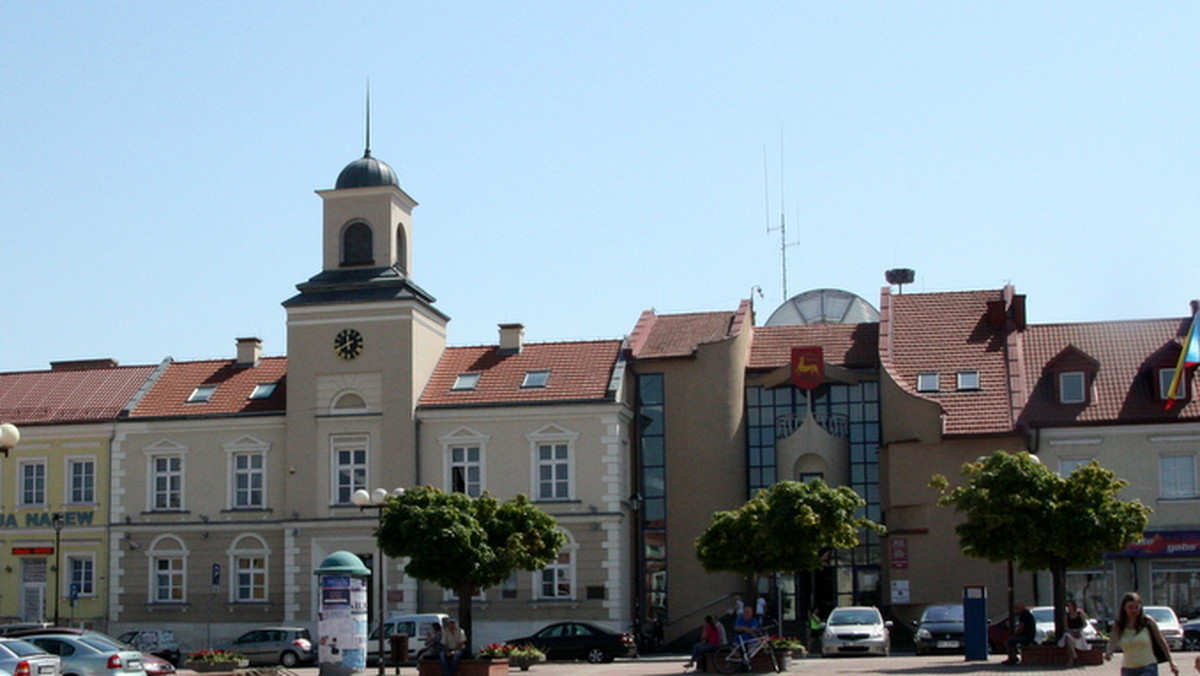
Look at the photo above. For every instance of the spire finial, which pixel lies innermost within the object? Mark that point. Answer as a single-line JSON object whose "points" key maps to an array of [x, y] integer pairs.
{"points": [[367, 152]]}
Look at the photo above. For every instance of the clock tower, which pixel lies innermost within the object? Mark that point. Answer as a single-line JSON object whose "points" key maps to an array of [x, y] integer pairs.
{"points": [[363, 339]]}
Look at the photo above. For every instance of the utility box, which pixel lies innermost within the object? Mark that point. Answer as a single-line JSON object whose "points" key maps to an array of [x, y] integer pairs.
{"points": [[399, 645], [975, 622]]}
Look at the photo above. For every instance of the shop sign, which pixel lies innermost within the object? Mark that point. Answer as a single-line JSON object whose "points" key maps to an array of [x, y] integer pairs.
{"points": [[45, 520], [1165, 543]]}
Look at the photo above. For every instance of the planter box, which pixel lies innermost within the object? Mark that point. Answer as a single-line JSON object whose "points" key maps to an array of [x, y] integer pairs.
{"points": [[216, 667], [1057, 656], [761, 663], [465, 668]]}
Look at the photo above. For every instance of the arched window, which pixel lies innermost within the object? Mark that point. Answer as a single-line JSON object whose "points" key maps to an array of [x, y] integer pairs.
{"points": [[557, 580], [248, 558], [168, 564], [348, 402], [356, 244], [400, 244]]}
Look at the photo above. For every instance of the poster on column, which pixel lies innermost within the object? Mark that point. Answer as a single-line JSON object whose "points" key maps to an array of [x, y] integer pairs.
{"points": [[342, 647]]}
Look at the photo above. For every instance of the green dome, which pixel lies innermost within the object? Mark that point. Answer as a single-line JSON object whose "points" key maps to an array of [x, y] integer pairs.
{"points": [[342, 563]]}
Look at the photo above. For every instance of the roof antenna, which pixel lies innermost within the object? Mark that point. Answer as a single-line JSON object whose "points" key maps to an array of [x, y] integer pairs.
{"points": [[782, 229], [367, 152]]}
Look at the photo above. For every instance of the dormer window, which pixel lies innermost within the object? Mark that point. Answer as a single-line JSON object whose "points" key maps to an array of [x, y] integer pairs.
{"points": [[927, 382], [1072, 387], [465, 382], [202, 394], [536, 378], [263, 391], [968, 380]]}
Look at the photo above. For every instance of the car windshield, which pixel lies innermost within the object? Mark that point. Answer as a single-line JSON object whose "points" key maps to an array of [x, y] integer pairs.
{"points": [[854, 617], [1043, 615], [1162, 615], [943, 614], [23, 649]]}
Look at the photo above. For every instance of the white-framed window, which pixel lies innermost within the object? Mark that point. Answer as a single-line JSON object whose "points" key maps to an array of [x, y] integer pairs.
{"points": [[553, 471], [1071, 387], [927, 382], [1177, 476], [202, 394], [465, 382], [81, 481], [349, 466], [968, 380], [1164, 384], [537, 378], [466, 470], [168, 566], [249, 480], [508, 588], [1066, 466], [557, 580], [81, 569], [166, 481], [248, 561], [31, 474]]}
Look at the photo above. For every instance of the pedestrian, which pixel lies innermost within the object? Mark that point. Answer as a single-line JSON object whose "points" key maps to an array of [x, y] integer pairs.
{"points": [[1023, 633], [1142, 644], [1073, 638], [710, 640], [454, 644], [747, 626]]}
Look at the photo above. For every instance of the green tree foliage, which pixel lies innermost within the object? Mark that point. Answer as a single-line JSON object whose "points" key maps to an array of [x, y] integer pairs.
{"points": [[783, 529], [1018, 510], [466, 544]]}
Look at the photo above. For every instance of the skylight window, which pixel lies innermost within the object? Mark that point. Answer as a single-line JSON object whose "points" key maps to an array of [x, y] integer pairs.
{"points": [[263, 391], [536, 378], [927, 382], [465, 382], [968, 380], [202, 394], [1071, 387]]}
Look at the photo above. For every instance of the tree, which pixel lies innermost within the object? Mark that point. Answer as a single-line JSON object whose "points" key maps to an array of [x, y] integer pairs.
{"points": [[466, 544], [1018, 510], [783, 528]]}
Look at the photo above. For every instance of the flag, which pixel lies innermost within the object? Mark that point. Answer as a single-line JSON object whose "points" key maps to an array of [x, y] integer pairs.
{"points": [[1189, 356]]}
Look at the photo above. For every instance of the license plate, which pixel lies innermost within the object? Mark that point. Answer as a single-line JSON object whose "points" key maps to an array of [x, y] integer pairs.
{"points": [[947, 644], [46, 669], [134, 665]]}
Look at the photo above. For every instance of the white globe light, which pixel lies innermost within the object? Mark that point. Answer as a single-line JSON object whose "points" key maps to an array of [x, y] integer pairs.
{"points": [[379, 496], [361, 497], [9, 435]]}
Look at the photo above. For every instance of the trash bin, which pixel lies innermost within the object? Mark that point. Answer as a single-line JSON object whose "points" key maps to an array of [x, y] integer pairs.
{"points": [[399, 646]]}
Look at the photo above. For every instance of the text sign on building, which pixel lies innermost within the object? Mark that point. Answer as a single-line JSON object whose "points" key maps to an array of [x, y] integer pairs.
{"points": [[32, 551], [899, 547], [808, 367]]}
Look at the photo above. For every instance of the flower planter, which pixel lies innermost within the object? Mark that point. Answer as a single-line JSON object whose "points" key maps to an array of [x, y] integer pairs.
{"points": [[214, 667], [484, 667], [1044, 656]]}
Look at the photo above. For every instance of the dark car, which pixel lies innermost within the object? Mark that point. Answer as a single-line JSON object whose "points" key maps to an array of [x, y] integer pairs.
{"points": [[288, 646], [159, 642], [940, 629], [580, 641], [1191, 635]]}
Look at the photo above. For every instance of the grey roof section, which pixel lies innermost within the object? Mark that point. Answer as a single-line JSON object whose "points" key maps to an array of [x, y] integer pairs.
{"points": [[366, 172], [824, 306], [357, 285]]}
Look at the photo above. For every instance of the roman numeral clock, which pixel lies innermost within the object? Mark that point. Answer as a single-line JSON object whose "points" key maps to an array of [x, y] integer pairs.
{"points": [[348, 344]]}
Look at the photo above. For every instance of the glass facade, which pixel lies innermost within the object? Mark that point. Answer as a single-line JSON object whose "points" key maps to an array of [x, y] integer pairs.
{"points": [[850, 411], [652, 467]]}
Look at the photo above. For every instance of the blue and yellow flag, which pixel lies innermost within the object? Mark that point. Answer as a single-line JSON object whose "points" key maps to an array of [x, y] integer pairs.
{"points": [[1189, 356]]}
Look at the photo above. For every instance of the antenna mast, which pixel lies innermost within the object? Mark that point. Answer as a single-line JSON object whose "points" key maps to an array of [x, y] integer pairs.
{"points": [[783, 243], [367, 151]]}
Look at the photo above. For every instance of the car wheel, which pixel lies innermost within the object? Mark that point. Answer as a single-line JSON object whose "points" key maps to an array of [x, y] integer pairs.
{"points": [[597, 655], [1191, 641], [289, 659]]}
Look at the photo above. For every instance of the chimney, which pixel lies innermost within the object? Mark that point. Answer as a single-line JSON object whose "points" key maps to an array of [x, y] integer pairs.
{"points": [[249, 352], [512, 338]]}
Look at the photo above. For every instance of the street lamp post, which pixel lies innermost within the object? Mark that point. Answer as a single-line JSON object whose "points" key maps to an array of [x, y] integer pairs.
{"points": [[9, 436], [377, 500], [58, 522]]}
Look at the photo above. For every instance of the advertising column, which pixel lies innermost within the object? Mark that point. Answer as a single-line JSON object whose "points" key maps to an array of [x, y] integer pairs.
{"points": [[342, 615]]}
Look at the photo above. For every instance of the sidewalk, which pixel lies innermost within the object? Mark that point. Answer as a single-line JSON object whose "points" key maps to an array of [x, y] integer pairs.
{"points": [[898, 665]]}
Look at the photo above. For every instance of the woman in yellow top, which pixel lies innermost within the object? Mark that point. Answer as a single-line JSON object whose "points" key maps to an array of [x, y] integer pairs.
{"points": [[1137, 633]]}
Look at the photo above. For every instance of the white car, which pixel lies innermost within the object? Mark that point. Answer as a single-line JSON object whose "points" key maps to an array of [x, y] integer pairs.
{"points": [[1168, 623], [856, 630], [1043, 619]]}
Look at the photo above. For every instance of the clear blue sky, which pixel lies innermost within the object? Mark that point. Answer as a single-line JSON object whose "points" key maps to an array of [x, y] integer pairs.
{"points": [[577, 163]]}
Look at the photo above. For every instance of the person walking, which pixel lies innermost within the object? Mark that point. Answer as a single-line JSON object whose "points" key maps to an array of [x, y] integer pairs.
{"points": [[1142, 644]]}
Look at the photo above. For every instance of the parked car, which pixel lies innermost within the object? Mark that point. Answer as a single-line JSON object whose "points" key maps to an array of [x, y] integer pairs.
{"points": [[856, 630], [157, 666], [1168, 623], [1191, 635], [940, 629], [416, 627], [288, 646], [160, 642], [90, 653], [580, 640], [1043, 620], [14, 628], [21, 658]]}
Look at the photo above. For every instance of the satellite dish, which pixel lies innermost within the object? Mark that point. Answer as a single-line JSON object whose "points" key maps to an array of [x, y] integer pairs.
{"points": [[824, 306]]}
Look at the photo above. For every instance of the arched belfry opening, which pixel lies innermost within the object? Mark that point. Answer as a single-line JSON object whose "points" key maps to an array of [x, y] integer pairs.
{"points": [[357, 244]]}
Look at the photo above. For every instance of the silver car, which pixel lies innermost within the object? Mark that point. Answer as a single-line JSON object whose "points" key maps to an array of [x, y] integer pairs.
{"points": [[21, 658], [90, 654], [856, 630], [289, 646], [1168, 623]]}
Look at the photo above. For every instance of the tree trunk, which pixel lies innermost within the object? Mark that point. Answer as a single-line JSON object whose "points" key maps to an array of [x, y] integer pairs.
{"points": [[464, 614], [1058, 576]]}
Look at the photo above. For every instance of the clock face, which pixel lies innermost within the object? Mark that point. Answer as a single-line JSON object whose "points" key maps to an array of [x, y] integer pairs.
{"points": [[348, 344]]}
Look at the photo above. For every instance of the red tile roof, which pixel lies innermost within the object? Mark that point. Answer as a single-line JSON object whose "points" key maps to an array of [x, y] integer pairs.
{"points": [[849, 345], [169, 394], [945, 333], [1128, 352], [663, 336], [579, 372], [64, 396]]}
